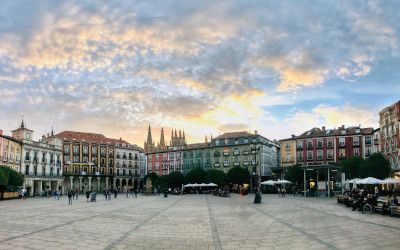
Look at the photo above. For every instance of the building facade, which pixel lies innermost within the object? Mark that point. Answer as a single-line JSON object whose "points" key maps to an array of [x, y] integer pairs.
{"points": [[328, 146], [287, 152], [10, 152], [41, 162], [163, 162], [376, 137], [389, 121]]}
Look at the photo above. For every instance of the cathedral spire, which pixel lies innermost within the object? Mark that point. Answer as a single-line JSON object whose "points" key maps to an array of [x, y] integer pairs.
{"points": [[184, 135], [206, 139], [180, 133], [176, 135], [149, 145], [52, 131], [162, 140]]}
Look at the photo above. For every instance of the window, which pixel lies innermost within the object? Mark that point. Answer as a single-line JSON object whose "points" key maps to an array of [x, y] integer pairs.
{"points": [[300, 144], [236, 152], [342, 153], [356, 152], [287, 156], [287, 146], [329, 154], [342, 141], [226, 163], [320, 143], [356, 141], [309, 144], [368, 140], [76, 149], [300, 156], [319, 154], [329, 143], [76, 158], [94, 150], [66, 149], [85, 149], [309, 155], [367, 151]]}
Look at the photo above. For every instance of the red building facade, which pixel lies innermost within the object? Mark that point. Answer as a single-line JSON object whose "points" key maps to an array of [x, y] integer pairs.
{"points": [[327, 146]]}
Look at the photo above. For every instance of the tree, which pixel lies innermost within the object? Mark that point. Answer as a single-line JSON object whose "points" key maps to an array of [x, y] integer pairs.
{"points": [[196, 175], [375, 166], [351, 167], [238, 175], [163, 182], [154, 178], [176, 179], [3, 178], [295, 174], [216, 176], [14, 178]]}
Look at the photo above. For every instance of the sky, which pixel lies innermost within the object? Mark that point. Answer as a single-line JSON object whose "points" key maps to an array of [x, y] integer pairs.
{"points": [[207, 67]]}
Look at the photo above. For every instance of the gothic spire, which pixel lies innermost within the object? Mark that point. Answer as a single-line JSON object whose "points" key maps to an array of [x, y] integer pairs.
{"points": [[184, 134], [162, 140], [149, 142], [52, 131], [176, 135], [180, 133], [206, 139]]}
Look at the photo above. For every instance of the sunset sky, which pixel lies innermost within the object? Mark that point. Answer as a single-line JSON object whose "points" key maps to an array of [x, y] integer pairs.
{"points": [[114, 67]]}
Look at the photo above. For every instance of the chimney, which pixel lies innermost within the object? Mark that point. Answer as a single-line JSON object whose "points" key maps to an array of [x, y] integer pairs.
{"points": [[255, 132], [1, 132], [342, 126], [293, 136], [323, 128]]}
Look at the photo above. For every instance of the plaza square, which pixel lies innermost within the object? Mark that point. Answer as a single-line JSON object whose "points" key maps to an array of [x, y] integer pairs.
{"points": [[192, 222]]}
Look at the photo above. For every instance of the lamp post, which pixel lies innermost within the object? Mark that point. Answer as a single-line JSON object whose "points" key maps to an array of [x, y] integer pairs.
{"points": [[254, 171]]}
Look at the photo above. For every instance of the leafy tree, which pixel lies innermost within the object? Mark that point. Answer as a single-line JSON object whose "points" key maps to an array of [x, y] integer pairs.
{"points": [[14, 178], [375, 166], [176, 179], [196, 175], [3, 178], [163, 182], [351, 167], [153, 177], [295, 174], [238, 175], [216, 176]]}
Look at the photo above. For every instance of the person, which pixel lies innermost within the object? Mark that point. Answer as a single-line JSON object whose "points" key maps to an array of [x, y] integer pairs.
{"points": [[115, 193], [77, 193], [283, 192], [87, 195], [376, 192], [135, 191], [108, 194], [159, 191], [73, 193], [70, 197]]}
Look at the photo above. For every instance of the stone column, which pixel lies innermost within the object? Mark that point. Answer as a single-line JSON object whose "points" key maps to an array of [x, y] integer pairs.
{"points": [[40, 187], [71, 179], [114, 181], [107, 182], [49, 184], [90, 183], [120, 182], [80, 184], [98, 184]]}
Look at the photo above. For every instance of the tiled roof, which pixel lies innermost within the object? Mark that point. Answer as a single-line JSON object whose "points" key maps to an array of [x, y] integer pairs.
{"points": [[317, 132], [11, 138], [197, 145], [87, 137], [233, 135]]}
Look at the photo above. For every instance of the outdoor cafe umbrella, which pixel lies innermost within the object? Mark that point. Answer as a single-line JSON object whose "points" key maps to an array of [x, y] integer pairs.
{"points": [[391, 181], [188, 185], [212, 185], [196, 185], [270, 182], [282, 182], [369, 181], [203, 185]]}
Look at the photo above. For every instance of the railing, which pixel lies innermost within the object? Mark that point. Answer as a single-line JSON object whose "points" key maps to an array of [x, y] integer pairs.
{"points": [[329, 145], [216, 165], [236, 164], [299, 147]]}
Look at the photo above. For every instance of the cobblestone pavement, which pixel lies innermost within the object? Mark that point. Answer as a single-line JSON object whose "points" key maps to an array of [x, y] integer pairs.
{"points": [[192, 222]]}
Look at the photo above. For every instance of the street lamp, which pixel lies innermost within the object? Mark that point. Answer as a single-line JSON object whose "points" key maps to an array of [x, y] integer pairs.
{"points": [[254, 172]]}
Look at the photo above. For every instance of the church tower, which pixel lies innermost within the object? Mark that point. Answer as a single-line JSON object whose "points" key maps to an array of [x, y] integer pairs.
{"points": [[149, 144], [178, 140], [162, 140], [22, 133]]}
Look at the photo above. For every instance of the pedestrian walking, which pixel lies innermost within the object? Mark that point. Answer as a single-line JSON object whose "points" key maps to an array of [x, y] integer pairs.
{"points": [[135, 191], [109, 194], [87, 195], [283, 190], [70, 195], [76, 194]]}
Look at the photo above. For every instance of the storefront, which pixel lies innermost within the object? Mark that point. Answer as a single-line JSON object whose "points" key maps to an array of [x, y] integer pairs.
{"points": [[323, 180]]}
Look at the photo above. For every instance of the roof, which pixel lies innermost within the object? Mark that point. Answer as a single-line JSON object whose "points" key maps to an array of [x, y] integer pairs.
{"points": [[316, 132], [197, 146], [233, 135], [11, 138], [87, 137]]}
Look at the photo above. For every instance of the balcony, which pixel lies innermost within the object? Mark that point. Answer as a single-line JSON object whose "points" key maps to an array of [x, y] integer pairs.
{"points": [[236, 152], [226, 153], [118, 156], [309, 146], [299, 158], [246, 163], [130, 157], [217, 154], [329, 157], [342, 145], [226, 164], [299, 147], [246, 152], [124, 157], [286, 160], [236, 164], [376, 141], [356, 143]]}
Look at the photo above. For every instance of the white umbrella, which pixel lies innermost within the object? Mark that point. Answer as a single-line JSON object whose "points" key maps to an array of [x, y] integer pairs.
{"points": [[188, 185], [270, 182], [283, 182], [369, 181], [212, 185], [203, 185], [195, 185], [391, 181]]}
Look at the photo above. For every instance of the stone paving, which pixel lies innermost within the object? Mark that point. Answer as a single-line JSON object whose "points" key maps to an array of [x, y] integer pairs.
{"points": [[192, 222]]}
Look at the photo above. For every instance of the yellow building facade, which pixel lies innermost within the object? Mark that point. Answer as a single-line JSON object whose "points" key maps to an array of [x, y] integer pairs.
{"points": [[10, 152], [287, 152]]}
